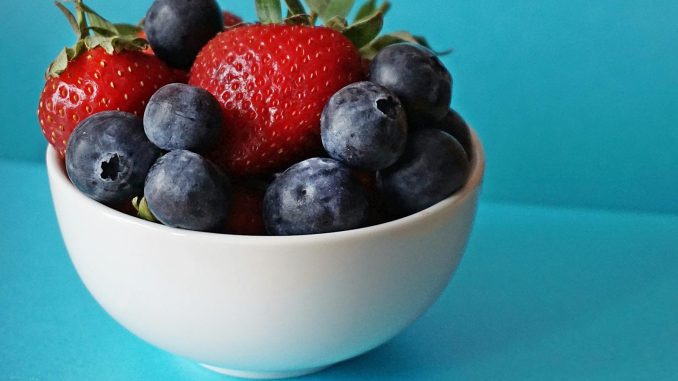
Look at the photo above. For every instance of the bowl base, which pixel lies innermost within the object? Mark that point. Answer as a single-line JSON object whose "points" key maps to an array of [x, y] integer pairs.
{"points": [[263, 375]]}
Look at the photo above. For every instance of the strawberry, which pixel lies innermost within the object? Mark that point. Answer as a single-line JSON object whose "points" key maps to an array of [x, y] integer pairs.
{"points": [[246, 212], [231, 20], [148, 49], [274, 78], [272, 82], [106, 71]]}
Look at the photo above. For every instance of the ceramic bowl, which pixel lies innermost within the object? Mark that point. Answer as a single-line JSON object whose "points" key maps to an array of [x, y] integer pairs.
{"points": [[264, 307]]}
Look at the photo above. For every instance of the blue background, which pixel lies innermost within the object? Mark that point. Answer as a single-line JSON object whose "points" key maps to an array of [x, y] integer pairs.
{"points": [[572, 270]]}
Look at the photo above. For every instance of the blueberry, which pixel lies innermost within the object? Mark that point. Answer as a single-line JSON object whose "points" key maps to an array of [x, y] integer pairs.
{"points": [[108, 156], [417, 77], [317, 195], [433, 167], [180, 116], [178, 29], [364, 126], [453, 124], [185, 190]]}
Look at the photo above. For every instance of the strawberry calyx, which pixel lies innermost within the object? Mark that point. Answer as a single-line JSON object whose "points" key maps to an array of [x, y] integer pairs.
{"points": [[364, 31], [143, 212], [109, 36]]}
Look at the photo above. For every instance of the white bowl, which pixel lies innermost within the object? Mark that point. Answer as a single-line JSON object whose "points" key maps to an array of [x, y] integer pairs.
{"points": [[264, 307]]}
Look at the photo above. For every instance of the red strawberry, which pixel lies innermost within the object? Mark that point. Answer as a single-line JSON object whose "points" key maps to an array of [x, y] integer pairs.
{"points": [[148, 49], [85, 81], [246, 212], [272, 82], [230, 19]]}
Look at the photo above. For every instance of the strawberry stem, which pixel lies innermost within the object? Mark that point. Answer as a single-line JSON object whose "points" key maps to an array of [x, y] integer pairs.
{"points": [[295, 7], [269, 11], [82, 20]]}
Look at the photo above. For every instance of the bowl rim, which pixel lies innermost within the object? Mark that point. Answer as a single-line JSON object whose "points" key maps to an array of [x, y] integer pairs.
{"points": [[57, 174]]}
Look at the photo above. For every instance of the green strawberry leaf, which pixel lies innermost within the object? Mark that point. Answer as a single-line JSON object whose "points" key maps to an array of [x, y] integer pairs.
{"points": [[82, 20], [384, 7], [366, 30], [295, 7], [141, 207], [95, 20], [371, 50], [408, 37], [340, 8], [327, 9], [71, 19], [337, 23], [115, 43], [121, 30], [366, 10], [59, 64], [298, 20], [370, 8], [421, 40], [128, 29], [105, 42], [314, 17], [269, 11], [112, 37], [101, 32], [65, 56]]}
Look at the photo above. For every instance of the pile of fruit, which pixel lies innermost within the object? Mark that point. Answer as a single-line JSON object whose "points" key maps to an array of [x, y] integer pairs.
{"points": [[201, 121]]}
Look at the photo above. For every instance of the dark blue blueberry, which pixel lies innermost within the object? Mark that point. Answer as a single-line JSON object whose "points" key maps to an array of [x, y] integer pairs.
{"points": [[317, 195], [364, 126], [108, 156], [433, 167], [178, 29], [417, 77], [180, 116], [453, 124], [185, 190]]}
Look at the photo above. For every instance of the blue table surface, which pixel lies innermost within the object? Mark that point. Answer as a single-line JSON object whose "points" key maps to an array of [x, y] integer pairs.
{"points": [[542, 293]]}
